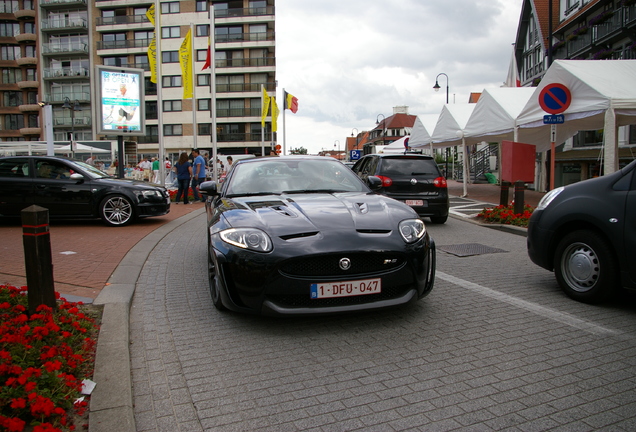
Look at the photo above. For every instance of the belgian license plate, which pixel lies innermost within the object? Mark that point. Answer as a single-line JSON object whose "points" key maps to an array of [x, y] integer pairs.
{"points": [[415, 203], [346, 289]]}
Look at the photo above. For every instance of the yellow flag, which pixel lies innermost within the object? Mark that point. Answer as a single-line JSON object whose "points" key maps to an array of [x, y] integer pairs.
{"points": [[275, 112], [150, 13], [185, 58], [265, 106], [152, 48]]}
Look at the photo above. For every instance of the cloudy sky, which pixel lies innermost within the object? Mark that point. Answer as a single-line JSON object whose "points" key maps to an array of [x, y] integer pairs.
{"points": [[347, 61]]}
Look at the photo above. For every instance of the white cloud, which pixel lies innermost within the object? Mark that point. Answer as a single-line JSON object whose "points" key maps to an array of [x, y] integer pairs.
{"points": [[349, 61]]}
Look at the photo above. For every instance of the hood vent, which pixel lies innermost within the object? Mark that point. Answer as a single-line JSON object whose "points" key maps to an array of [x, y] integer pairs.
{"points": [[373, 231], [299, 235]]}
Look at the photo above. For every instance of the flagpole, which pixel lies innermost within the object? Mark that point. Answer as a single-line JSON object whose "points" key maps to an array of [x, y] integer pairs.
{"points": [[194, 87], [262, 127], [162, 158], [213, 92], [284, 123]]}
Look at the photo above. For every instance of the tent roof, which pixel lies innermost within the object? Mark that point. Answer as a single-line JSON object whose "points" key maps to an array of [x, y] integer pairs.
{"points": [[452, 119], [422, 129], [396, 146], [595, 86], [493, 118]]}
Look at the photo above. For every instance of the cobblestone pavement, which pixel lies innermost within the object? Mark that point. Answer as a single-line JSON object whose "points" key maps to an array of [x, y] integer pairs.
{"points": [[495, 346]]}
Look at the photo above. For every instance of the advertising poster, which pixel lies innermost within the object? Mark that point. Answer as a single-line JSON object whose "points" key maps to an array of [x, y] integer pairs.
{"points": [[121, 101]]}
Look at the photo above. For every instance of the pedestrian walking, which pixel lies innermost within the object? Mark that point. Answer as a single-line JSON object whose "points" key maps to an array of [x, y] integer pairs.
{"points": [[155, 170], [198, 173], [184, 174]]}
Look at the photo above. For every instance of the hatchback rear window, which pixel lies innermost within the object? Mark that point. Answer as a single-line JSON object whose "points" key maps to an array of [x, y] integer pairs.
{"points": [[410, 166]]}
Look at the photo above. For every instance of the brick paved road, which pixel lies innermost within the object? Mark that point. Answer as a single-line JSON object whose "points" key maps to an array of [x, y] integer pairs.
{"points": [[496, 346]]}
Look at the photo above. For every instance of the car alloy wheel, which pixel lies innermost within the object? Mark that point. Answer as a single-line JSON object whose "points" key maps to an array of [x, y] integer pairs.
{"points": [[117, 210]]}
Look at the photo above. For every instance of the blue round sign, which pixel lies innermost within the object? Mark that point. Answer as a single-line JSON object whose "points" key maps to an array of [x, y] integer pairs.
{"points": [[555, 98]]}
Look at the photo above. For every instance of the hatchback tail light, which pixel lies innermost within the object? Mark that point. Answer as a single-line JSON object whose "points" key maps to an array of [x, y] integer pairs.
{"points": [[440, 182], [386, 181]]}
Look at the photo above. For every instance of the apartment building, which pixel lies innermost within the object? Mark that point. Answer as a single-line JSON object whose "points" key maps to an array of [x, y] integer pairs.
{"points": [[49, 50], [581, 30]]}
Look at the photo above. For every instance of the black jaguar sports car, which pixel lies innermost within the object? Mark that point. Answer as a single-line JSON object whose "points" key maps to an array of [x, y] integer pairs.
{"points": [[299, 235]]}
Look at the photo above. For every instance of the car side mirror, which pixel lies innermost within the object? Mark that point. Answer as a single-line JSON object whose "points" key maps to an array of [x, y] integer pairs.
{"points": [[77, 177], [374, 183], [208, 188]]}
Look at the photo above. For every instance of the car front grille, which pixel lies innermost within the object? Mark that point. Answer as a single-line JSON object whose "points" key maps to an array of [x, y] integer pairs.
{"points": [[329, 265], [303, 301]]}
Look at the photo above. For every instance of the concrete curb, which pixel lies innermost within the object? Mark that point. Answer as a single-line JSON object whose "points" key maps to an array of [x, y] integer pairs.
{"points": [[521, 231], [111, 406]]}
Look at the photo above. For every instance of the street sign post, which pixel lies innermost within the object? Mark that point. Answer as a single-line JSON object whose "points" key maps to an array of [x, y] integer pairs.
{"points": [[554, 99]]}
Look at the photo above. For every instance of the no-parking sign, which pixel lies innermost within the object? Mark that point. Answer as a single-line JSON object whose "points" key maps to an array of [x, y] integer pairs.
{"points": [[555, 98]]}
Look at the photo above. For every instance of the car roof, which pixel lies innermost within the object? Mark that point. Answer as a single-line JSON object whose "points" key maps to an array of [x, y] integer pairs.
{"points": [[286, 158], [401, 155]]}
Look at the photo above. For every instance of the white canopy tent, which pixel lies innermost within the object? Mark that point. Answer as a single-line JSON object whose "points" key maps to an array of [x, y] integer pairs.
{"points": [[396, 146], [422, 130], [80, 148], [603, 97], [495, 114], [449, 131]]}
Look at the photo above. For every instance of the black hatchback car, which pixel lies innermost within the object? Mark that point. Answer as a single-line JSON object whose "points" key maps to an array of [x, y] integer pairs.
{"points": [[414, 179], [72, 189], [586, 233]]}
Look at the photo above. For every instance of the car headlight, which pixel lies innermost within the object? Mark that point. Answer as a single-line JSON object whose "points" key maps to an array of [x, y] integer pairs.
{"points": [[145, 194], [412, 230], [547, 198], [247, 238]]}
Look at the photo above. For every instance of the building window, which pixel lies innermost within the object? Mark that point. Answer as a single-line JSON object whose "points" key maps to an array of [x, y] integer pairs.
{"points": [[170, 7], [116, 61], [174, 105], [8, 29], [11, 76], [13, 121], [202, 5], [10, 53], [204, 129], [170, 32], [171, 81], [150, 87], [203, 79], [173, 130], [203, 105], [202, 54], [170, 57], [151, 110], [12, 98], [203, 30]]}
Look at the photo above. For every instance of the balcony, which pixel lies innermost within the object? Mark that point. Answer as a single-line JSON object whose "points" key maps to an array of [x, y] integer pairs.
{"points": [[253, 62], [580, 44], [245, 37], [243, 137], [77, 121], [119, 20], [29, 107], [62, 4], [28, 84], [243, 12], [74, 24], [49, 73], [24, 14], [134, 43], [69, 48], [610, 27], [26, 37], [27, 61], [239, 112], [244, 88], [59, 97], [29, 131]]}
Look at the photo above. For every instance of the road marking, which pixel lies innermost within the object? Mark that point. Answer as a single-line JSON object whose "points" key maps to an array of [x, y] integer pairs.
{"points": [[532, 307]]}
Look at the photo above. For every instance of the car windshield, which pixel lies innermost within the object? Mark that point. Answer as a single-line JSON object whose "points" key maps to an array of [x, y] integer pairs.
{"points": [[91, 170], [267, 176]]}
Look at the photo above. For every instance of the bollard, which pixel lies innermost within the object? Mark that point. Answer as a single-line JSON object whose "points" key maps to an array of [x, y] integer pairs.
{"points": [[37, 257], [519, 196], [503, 196]]}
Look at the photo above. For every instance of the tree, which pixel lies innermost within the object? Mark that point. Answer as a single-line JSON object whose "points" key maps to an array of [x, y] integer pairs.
{"points": [[298, 151]]}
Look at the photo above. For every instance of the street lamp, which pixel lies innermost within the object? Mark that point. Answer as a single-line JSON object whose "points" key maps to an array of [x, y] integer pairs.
{"points": [[76, 107], [436, 87], [334, 148]]}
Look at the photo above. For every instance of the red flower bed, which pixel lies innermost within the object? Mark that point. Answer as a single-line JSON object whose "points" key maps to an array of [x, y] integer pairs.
{"points": [[506, 215], [173, 195], [43, 360]]}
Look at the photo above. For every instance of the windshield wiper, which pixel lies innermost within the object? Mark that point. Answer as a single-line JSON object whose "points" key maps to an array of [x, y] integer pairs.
{"points": [[301, 191], [249, 194]]}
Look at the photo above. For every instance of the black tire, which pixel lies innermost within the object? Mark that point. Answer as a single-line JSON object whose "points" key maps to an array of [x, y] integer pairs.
{"points": [[585, 267], [214, 288], [439, 219], [116, 210]]}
